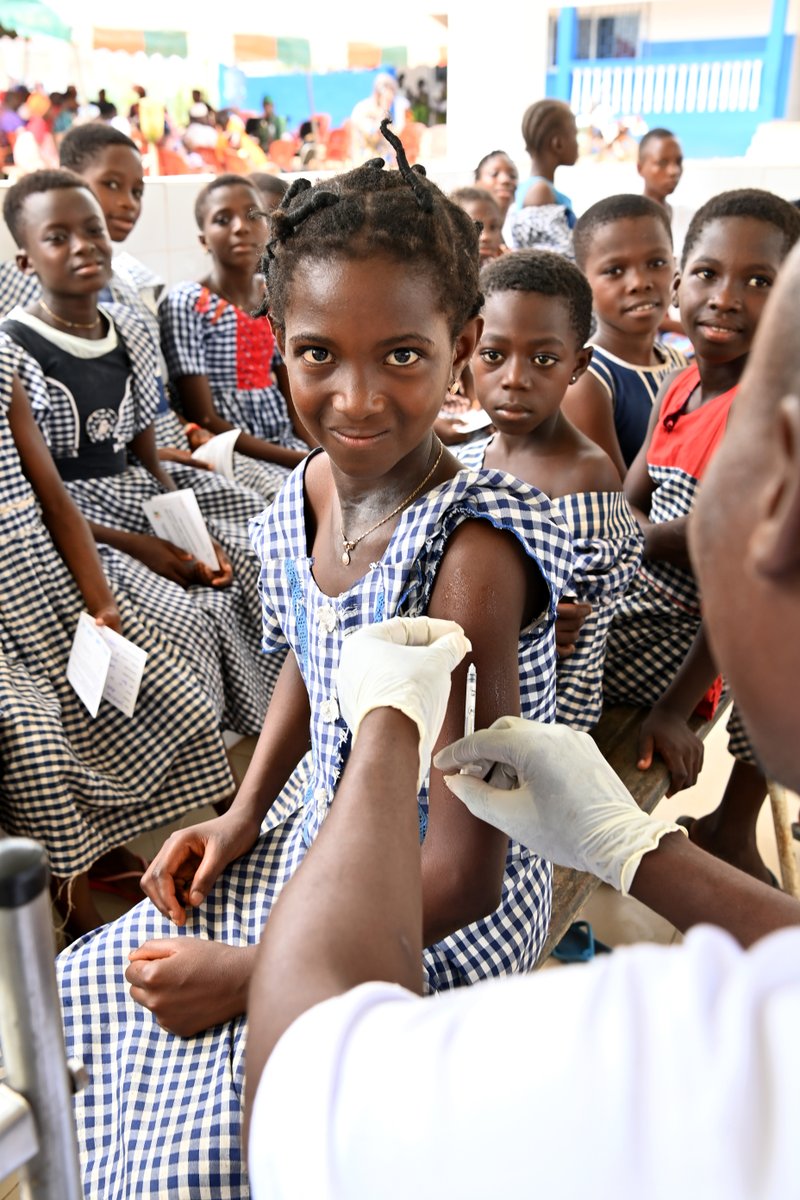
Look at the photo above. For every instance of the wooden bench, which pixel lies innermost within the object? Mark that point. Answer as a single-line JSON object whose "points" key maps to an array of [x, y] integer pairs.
{"points": [[616, 734]]}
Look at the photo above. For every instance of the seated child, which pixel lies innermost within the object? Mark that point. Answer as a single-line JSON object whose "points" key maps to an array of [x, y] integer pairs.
{"points": [[623, 245], [536, 321], [82, 786], [660, 164], [90, 377], [374, 296], [480, 205], [657, 650], [224, 370]]}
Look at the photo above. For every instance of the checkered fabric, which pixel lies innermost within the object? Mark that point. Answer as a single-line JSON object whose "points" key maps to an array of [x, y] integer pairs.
{"points": [[81, 786], [314, 625], [218, 630], [162, 1115], [203, 334], [16, 289], [607, 545]]}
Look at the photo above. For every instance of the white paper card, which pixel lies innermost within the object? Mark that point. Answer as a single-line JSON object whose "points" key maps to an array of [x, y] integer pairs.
{"points": [[89, 659], [125, 671], [103, 665], [218, 452], [176, 518]]}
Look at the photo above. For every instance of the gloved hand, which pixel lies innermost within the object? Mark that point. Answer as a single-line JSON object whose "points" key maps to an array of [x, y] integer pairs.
{"points": [[565, 802], [404, 663]]}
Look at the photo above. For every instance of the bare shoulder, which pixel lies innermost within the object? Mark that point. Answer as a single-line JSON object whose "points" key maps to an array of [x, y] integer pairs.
{"points": [[485, 576], [590, 469], [540, 192]]}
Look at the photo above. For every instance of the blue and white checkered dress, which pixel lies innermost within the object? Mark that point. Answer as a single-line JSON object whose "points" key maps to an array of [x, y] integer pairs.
{"points": [[82, 786], [217, 630], [607, 544], [162, 1115]]}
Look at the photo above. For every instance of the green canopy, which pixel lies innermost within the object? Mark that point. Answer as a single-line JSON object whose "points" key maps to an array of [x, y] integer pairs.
{"points": [[27, 18]]}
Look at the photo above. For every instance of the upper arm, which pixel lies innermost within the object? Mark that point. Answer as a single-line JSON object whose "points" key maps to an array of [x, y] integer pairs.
{"points": [[181, 335], [639, 484], [490, 586], [196, 397], [540, 192], [35, 458], [587, 404]]}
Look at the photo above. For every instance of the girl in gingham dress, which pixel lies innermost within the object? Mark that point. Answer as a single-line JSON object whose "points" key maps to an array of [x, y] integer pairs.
{"points": [[81, 786], [657, 649], [224, 368], [93, 394], [537, 317], [382, 522]]}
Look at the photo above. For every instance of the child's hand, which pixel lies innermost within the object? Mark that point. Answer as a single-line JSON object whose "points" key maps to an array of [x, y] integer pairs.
{"points": [[190, 984], [221, 578], [570, 616], [108, 615], [188, 864], [666, 732], [172, 454], [164, 558]]}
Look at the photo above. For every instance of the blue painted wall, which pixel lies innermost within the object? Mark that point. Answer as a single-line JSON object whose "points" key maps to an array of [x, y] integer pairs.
{"points": [[706, 135], [335, 92]]}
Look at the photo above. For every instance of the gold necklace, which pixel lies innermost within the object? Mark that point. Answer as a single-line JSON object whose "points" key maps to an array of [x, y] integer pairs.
{"points": [[348, 545], [69, 324]]}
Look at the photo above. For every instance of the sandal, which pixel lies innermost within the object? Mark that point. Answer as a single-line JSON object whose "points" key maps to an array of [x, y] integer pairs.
{"points": [[579, 944]]}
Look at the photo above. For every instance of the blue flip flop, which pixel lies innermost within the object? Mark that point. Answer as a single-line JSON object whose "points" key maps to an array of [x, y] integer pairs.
{"points": [[579, 944]]}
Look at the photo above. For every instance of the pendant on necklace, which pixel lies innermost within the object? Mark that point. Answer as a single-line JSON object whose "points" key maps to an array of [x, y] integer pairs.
{"points": [[346, 558]]}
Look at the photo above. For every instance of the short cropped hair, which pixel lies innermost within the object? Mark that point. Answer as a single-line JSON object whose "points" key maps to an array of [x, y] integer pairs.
{"points": [[626, 206], [227, 180], [83, 143], [540, 121], [31, 185], [654, 135], [488, 158], [547, 274], [272, 184], [370, 212], [745, 202], [473, 195]]}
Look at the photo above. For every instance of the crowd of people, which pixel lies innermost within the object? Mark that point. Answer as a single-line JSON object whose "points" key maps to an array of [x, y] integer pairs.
{"points": [[470, 410]]}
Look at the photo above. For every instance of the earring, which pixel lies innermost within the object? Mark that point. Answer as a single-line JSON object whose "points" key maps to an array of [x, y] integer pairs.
{"points": [[573, 379], [454, 386]]}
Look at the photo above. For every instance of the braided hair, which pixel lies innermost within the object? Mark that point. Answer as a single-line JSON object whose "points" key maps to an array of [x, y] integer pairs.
{"points": [[370, 212]]}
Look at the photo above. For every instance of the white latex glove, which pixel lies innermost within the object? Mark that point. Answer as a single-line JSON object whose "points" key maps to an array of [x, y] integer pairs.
{"points": [[566, 803], [404, 663]]}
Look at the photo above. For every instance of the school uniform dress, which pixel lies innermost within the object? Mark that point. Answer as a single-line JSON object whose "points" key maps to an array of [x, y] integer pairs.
{"points": [[90, 399], [632, 390], [204, 334], [658, 619], [607, 545], [162, 1115], [79, 785]]}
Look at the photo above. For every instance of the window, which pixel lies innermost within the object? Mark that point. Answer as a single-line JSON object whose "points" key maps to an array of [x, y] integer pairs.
{"points": [[602, 33]]}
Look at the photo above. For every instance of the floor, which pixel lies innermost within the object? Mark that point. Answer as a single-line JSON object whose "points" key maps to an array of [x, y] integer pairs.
{"points": [[616, 920]]}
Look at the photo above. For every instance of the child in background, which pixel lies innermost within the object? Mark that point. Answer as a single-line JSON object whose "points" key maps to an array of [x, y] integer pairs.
{"points": [[480, 205], [660, 164], [657, 649], [551, 139], [224, 369], [89, 374], [624, 247], [536, 321], [271, 189], [373, 292], [498, 175], [82, 786]]}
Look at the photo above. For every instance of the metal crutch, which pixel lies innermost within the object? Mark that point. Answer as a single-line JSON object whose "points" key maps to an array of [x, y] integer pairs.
{"points": [[37, 1129]]}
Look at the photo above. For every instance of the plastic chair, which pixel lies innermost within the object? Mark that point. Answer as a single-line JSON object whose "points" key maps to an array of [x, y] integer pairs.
{"points": [[338, 147], [322, 122], [282, 153]]}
